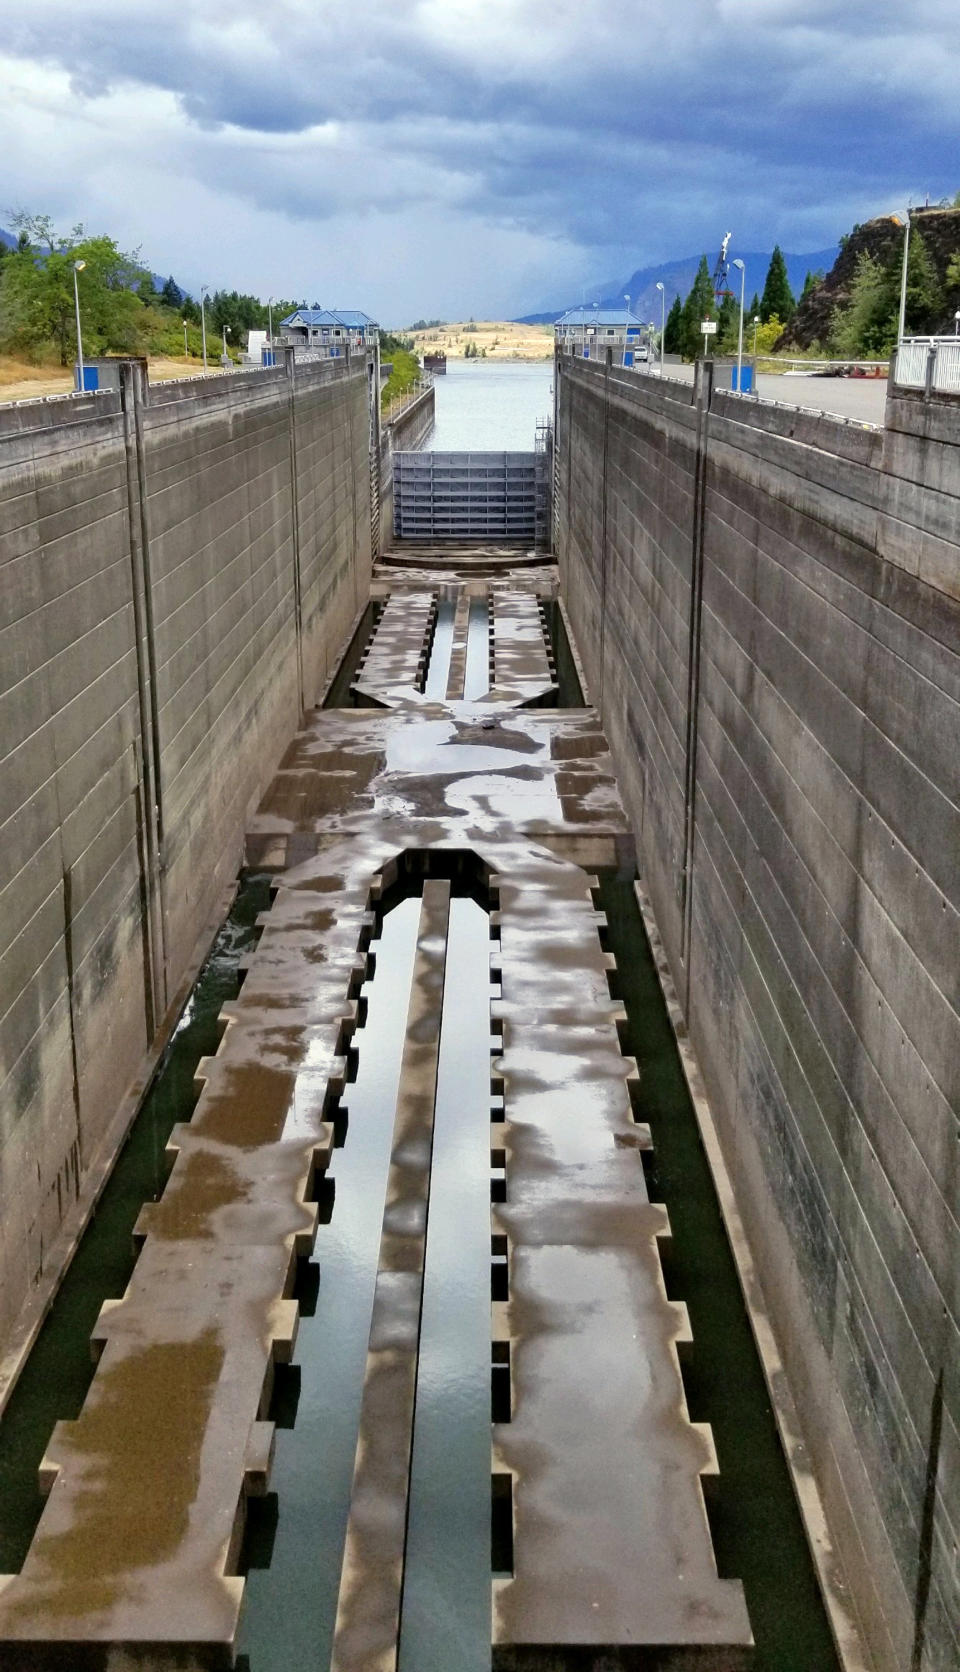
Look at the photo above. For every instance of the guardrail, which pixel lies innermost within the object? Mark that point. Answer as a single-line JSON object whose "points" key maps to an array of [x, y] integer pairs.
{"points": [[930, 363], [406, 398]]}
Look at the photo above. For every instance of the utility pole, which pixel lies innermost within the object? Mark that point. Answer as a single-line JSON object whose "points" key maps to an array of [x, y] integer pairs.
{"points": [[903, 279], [78, 267], [203, 322]]}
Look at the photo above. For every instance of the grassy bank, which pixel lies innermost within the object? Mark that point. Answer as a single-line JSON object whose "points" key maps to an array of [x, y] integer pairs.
{"points": [[20, 381], [406, 370]]}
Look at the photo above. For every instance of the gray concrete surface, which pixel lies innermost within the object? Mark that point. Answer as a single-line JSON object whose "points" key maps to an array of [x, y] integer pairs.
{"points": [[768, 608], [861, 399]]}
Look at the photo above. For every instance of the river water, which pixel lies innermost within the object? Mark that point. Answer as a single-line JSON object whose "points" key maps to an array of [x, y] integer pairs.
{"points": [[484, 405]]}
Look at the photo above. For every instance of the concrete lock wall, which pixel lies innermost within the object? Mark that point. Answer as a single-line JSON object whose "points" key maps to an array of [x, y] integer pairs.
{"points": [[405, 433], [768, 607], [181, 566]]}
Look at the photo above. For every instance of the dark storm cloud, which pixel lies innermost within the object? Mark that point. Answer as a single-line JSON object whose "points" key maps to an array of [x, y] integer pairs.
{"points": [[594, 124]]}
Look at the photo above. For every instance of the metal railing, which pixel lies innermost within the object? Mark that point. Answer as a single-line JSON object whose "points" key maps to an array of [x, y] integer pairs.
{"points": [[931, 363], [400, 403]]}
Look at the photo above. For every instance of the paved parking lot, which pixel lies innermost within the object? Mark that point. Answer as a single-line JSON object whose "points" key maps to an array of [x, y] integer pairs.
{"points": [[861, 399]]}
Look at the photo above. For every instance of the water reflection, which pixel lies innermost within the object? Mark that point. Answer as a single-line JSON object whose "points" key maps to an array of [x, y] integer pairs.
{"points": [[476, 681], [446, 1595], [291, 1609], [481, 405], [438, 671]]}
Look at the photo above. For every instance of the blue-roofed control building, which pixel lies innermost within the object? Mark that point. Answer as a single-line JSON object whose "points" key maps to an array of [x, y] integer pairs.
{"points": [[587, 332], [333, 329]]}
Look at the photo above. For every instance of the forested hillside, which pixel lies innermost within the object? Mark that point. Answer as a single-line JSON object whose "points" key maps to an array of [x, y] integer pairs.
{"points": [[854, 309], [123, 310]]}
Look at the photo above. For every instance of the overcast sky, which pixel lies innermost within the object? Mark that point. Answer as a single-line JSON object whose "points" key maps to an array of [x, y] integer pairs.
{"points": [[456, 157]]}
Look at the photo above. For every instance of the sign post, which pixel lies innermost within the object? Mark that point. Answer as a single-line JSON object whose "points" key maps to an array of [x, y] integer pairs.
{"points": [[709, 329]]}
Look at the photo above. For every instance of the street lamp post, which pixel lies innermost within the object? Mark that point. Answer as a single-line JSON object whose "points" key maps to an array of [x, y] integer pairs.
{"points": [[956, 323], [756, 322], [903, 280], [270, 322], [663, 321], [626, 328], [743, 279], [203, 321], [78, 267], [225, 336], [186, 351]]}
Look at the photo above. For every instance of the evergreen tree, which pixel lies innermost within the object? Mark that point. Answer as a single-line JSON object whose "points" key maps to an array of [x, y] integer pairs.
{"points": [[777, 296], [811, 281], [171, 295], [753, 311], [728, 325], [867, 327], [673, 330], [700, 305], [924, 295]]}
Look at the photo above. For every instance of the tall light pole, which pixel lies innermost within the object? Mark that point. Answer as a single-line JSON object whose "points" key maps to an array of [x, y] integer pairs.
{"points": [[78, 267], [626, 328], [186, 351], [743, 279], [270, 322], [203, 322], [756, 322], [903, 279], [225, 335], [663, 321]]}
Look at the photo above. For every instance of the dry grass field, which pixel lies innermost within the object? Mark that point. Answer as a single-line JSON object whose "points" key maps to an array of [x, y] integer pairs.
{"points": [[20, 382], [501, 338]]}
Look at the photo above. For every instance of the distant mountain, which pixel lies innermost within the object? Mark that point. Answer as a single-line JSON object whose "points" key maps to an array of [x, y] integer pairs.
{"points": [[677, 279], [7, 238]]}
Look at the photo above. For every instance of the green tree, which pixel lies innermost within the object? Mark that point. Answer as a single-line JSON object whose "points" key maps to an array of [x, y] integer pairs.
{"points": [[812, 280], [673, 330], [700, 305], [866, 328], [37, 296], [924, 294], [171, 295], [754, 309], [777, 296], [728, 325]]}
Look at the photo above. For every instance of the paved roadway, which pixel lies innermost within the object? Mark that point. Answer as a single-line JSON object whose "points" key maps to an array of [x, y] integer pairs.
{"points": [[859, 398]]}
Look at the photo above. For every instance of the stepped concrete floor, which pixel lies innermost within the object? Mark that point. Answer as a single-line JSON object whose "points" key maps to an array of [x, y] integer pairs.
{"points": [[598, 1471]]}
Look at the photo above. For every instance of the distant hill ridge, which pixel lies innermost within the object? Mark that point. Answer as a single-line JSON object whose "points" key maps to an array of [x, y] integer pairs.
{"points": [[677, 279]]}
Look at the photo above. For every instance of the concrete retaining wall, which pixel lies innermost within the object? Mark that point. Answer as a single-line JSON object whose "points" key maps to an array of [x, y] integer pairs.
{"points": [[180, 568], [768, 608], [405, 433]]}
